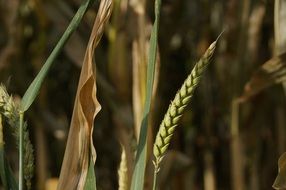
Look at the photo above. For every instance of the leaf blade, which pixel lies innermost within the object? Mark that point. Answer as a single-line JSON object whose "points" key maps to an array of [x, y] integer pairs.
{"points": [[80, 152], [140, 164], [34, 88], [90, 183]]}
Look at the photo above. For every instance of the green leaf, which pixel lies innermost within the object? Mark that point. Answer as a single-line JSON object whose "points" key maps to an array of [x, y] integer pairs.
{"points": [[140, 163], [35, 86], [90, 183]]}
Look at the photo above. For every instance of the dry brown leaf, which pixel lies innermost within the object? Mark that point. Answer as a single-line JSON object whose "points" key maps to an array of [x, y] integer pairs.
{"points": [[271, 72], [280, 182], [80, 143]]}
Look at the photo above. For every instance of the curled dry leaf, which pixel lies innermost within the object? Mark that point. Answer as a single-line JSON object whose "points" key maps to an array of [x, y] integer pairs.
{"points": [[280, 182], [271, 72], [79, 144]]}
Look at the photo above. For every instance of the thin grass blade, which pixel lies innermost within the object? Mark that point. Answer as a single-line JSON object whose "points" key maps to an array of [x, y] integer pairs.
{"points": [[35, 86], [140, 163]]}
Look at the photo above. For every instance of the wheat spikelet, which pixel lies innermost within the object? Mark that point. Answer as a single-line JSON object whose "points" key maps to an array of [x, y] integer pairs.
{"points": [[7, 105], [177, 106], [10, 110], [122, 172]]}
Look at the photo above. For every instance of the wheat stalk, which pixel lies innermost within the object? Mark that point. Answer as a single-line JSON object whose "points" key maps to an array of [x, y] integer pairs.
{"points": [[178, 105], [10, 110]]}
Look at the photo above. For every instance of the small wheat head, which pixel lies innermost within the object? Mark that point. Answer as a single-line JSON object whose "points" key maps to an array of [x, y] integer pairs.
{"points": [[7, 105], [10, 111], [177, 107]]}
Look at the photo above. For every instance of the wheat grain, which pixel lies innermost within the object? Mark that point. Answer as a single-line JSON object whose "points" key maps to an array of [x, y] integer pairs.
{"points": [[177, 106]]}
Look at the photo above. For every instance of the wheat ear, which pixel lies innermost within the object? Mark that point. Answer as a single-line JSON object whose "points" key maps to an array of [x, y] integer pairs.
{"points": [[10, 110], [177, 106]]}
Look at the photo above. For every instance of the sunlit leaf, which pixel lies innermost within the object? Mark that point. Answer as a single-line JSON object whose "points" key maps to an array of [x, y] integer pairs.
{"points": [[80, 147]]}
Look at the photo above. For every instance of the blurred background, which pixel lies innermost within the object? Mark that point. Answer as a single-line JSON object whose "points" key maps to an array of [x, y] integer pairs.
{"points": [[229, 137]]}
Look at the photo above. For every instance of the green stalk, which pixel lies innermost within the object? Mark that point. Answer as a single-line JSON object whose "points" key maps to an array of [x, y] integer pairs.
{"points": [[156, 170], [21, 150]]}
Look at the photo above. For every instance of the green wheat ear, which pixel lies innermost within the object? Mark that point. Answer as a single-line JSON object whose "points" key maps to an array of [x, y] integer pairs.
{"points": [[10, 110], [178, 105]]}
